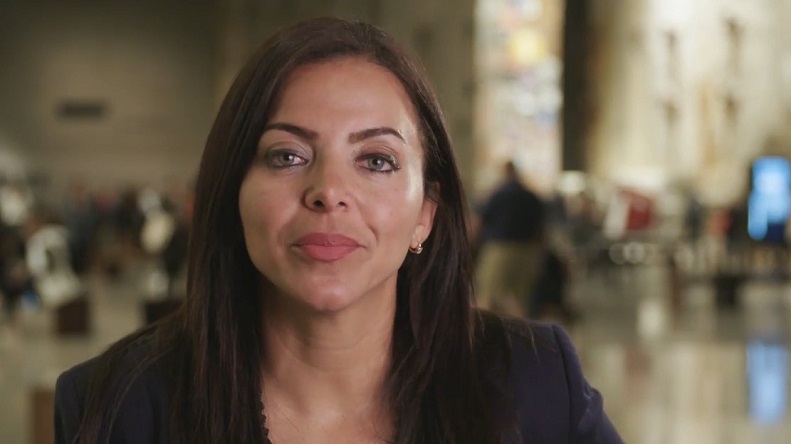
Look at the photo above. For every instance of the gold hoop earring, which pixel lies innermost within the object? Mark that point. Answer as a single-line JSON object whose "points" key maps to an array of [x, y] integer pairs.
{"points": [[416, 250]]}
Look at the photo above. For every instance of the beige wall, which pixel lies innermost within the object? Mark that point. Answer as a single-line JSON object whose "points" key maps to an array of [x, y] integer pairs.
{"points": [[680, 102], [161, 69], [151, 63]]}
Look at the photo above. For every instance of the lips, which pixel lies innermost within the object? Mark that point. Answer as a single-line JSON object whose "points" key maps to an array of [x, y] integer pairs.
{"points": [[326, 247]]}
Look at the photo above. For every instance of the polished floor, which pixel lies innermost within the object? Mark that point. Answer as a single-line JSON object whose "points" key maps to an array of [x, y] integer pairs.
{"points": [[704, 375], [685, 373]]}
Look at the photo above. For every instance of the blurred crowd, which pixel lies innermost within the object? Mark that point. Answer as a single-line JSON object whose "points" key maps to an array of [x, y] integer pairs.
{"points": [[47, 249], [530, 244]]}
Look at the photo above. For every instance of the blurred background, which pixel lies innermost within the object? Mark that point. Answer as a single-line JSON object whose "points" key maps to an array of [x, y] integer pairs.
{"points": [[655, 132]]}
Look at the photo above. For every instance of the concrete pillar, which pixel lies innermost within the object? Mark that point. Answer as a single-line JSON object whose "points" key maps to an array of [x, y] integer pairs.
{"points": [[577, 82]]}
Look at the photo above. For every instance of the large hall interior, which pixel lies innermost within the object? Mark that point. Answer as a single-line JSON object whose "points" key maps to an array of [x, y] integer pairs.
{"points": [[656, 134]]}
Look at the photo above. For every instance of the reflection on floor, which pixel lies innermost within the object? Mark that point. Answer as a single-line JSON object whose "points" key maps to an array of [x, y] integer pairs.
{"points": [[707, 374], [693, 374]]}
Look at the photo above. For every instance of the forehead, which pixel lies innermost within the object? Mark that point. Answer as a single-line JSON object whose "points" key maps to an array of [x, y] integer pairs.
{"points": [[345, 81], [350, 65]]}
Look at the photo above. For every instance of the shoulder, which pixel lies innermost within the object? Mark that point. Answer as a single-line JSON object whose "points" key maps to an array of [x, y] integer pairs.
{"points": [[125, 354], [551, 398], [533, 353], [522, 341], [122, 389], [69, 401]]}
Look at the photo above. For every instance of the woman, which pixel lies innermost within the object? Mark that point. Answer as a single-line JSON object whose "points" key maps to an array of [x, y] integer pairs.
{"points": [[329, 281]]}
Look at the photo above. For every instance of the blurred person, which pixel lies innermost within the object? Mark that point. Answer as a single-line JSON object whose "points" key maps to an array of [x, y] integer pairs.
{"points": [[329, 280], [16, 202], [694, 218], [129, 219], [174, 255], [164, 236], [583, 220], [737, 239], [509, 228], [81, 219], [735, 264], [108, 251], [548, 297], [49, 260], [15, 279], [583, 229]]}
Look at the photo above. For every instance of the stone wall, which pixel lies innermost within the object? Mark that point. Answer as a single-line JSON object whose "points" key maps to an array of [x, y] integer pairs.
{"points": [[690, 92], [141, 81], [111, 92]]}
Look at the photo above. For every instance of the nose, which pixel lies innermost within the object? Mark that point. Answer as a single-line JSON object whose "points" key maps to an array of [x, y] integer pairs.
{"points": [[327, 189]]}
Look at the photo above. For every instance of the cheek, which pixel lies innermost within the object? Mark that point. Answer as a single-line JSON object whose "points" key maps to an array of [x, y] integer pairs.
{"points": [[258, 205], [395, 211]]}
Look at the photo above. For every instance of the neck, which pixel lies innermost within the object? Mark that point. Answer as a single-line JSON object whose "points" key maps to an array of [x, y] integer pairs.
{"points": [[327, 364]]}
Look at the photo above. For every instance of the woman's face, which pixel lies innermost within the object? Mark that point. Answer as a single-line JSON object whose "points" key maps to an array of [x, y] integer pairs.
{"points": [[334, 196]]}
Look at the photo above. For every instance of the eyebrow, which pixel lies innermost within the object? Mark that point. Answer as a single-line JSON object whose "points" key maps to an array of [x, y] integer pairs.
{"points": [[358, 136], [374, 132], [302, 133]]}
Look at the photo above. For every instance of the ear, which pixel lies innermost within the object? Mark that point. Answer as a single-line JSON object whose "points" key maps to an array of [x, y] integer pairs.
{"points": [[425, 220]]}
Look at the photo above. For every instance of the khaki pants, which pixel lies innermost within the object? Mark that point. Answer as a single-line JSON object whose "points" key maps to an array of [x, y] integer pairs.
{"points": [[506, 274]]}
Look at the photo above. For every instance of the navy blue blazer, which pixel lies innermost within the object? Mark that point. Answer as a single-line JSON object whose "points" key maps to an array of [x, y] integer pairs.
{"points": [[551, 400]]}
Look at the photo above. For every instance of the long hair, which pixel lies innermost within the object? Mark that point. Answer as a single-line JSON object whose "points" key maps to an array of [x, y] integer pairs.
{"points": [[213, 343]]}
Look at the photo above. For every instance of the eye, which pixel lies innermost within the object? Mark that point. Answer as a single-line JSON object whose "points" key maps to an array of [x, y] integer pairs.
{"points": [[380, 163], [282, 158]]}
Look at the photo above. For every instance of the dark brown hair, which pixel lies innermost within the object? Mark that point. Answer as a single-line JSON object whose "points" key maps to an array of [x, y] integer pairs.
{"points": [[213, 344]]}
